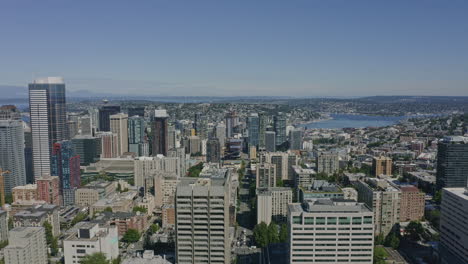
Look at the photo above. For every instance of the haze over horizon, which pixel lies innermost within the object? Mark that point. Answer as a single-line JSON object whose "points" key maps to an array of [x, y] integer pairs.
{"points": [[261, 48]]}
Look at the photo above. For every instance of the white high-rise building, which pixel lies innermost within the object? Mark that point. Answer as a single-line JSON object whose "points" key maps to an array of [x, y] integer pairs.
{"points": [[272, 204], [330, 231], [26, 245], [202, 221], [453, 224], [119, 126], [91, 238], [47, 108]]}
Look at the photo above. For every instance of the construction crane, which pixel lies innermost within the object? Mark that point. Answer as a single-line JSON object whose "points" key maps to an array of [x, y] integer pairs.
{"points": [[2, 186]]}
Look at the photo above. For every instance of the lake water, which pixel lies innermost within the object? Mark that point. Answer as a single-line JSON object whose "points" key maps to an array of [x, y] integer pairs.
{"points": [[355, 121]]}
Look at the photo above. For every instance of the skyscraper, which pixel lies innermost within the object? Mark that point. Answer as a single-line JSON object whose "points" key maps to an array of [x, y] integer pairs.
{"points": [[202, 221], [48, 119], [104, 116], [12, 150], [66, 165], [270, 141], [88, 148], [136, 111], [266, 175], [352, 238], [295, 139], [280, 128], [232, 121], [453, 235], [213, 151], [136, 134], [159, 132], [327, 162], [109, 147], [452, 162], [221, 134], [119, 126], [262, 125], [253, 123]]}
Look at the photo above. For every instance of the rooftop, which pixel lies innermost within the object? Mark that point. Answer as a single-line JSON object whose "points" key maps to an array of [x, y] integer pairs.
{"points": [[329, 206]]}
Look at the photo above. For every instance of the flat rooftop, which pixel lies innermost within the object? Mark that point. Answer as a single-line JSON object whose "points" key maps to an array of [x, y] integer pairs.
{"points": [[329, 206]]}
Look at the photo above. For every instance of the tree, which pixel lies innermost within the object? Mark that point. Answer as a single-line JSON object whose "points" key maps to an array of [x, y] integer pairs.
{"points": [[95, 258], [283, 234], [414, 230], [140, 209], [438, 197], [154, 228], [279, 183], [273, 236], [380, 255], [392, 241], [260, 234], [131, 236], [108, 209], [380, 239], [78, 218]]}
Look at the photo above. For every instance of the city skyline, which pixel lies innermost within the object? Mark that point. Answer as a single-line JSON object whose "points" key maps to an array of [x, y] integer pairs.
{"points": [[308, 48]]}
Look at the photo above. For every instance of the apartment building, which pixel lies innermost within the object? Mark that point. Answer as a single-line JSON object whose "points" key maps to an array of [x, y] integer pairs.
{"points": [[272, 204]]}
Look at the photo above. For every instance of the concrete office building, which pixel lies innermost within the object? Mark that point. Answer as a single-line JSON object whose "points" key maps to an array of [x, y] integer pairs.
{"points": [[109, 145], [90, 238], [144, 168], [202, 221], [119, 126], [47, 108], [327, 162], [453, 234], [303, 177], [221, 134], [270, 141], [452, 162], [382, 166], [195, 147], [12, 155], [26, 245], [3, 226], [85, 126], [266, 175], [330, 231], [93, 192], [384, 200], [104, 116], [283, 161], [262, 125], [159, 132], [272, 204], [165, 188]]}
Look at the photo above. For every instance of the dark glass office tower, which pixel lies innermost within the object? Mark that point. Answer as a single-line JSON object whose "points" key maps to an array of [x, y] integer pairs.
{"points": [[253, 125], [136, 111], [280, 128], [213, 150], [104, 116], [66, 165], [452, 162], [48, 120], [159, 131]]}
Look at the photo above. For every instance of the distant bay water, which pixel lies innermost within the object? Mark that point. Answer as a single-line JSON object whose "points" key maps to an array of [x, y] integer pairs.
{"points": [[338, 121]]}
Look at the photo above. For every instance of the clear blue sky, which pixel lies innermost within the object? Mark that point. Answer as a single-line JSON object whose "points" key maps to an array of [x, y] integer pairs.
{"points": [[196, 47]]}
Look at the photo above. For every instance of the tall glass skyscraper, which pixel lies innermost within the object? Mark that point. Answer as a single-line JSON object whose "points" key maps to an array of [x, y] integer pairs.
{"points": [[280, 128], [253, 123], [48, 120], [12, 148], [104, 116], [452, 162], [136, 134], [159, 132]]}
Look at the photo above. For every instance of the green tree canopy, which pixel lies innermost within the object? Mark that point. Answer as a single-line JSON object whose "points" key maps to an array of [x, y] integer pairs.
{"points": [[380, 255], [392, 241], [260, 234], [140, 209], [414, 230], [273, 236], [283, 233], [131, 236], [154, 228], [95, 258]]}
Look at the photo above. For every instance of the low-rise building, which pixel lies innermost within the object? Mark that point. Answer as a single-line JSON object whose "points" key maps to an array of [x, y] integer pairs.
{"points": [[25, 193], [90, 238], [303, 176], [118, 202], [124, 221], [36, 216], [92, 192], [319, 189], [168, 216]]}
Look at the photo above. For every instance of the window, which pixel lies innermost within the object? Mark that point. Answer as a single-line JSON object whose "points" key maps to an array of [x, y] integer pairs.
{"points": [[331, 220], [297, 220]]}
